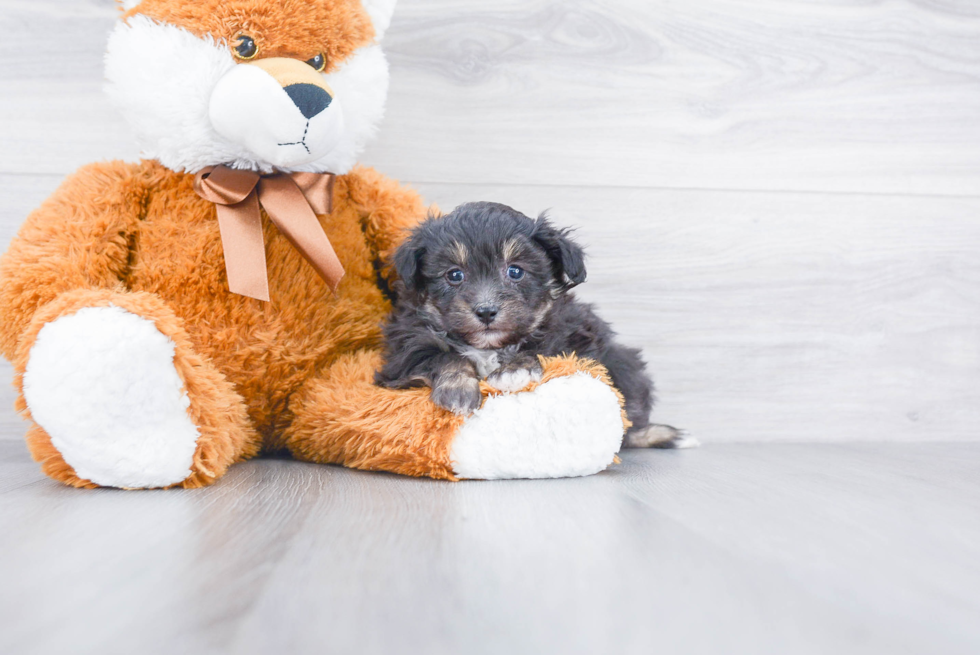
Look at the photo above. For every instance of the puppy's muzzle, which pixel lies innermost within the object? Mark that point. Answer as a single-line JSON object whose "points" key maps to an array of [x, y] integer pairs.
{"points": [[281, 110]]}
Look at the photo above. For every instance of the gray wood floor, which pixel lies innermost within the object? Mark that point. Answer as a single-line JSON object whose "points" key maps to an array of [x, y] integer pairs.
{"points": [[732, 548], [780, 200]]}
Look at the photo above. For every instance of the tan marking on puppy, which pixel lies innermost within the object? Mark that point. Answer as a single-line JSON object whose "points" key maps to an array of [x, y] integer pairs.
{"points": [[460, 253], [540, 315], [335, 28], [510, 249]]}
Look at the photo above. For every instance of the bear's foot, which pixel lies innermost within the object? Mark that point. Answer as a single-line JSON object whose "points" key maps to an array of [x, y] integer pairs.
{"points": [[567, 426], [102, 384]]}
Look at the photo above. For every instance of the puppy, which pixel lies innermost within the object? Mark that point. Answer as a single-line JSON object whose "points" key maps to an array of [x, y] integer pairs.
{"points": [[482, 292]]}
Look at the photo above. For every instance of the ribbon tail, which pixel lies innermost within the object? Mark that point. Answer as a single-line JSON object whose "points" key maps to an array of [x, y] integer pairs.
{"points": [[289, 209], [318, 190], [244, 247]]}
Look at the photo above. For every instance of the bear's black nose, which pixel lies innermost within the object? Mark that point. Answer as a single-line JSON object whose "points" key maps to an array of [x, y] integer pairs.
{"points": [[309, 98], [486, 312]]}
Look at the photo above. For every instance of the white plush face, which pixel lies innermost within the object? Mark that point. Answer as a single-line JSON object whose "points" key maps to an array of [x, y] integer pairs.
{"points": [[192, 104]]}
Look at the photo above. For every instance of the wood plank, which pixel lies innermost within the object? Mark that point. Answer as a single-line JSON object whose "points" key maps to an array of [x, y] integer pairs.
{"points": [[17, 469], [54, 116], [733, 548], [800, 95]]}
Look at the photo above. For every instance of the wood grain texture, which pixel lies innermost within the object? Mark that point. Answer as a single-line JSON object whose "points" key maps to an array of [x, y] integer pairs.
{"points": [[54, 116], [732, 548], [803, 95], [843, 96]]}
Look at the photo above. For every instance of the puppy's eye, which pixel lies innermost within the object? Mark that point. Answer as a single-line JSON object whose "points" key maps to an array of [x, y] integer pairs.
{"points": [[515, 272], [318, 63], [245, 47], [455, 276]]}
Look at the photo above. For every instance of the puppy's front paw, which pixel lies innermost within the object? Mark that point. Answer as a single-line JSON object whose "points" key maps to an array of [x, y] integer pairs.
{"points": [[516, 375], [458, 394]]}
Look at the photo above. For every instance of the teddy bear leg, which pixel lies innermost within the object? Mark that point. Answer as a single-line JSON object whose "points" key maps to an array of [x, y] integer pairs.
{"points": [[119, 398], [569, 424]]}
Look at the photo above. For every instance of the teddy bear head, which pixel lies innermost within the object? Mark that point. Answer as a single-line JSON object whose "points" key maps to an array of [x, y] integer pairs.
{"points": [[263, 85]]}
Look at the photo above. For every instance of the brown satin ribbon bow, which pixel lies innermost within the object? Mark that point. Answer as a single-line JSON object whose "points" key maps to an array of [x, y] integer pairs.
{"points": [[292, 202]]}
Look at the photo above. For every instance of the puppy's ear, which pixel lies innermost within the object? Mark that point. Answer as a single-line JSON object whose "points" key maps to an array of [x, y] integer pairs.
{"points": [[408, 264], [567, 257]]}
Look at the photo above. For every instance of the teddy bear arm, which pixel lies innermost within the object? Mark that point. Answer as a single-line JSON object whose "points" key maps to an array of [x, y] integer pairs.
{"points": [[342, 417], [388, 210], [568, 423], [79, 238]]}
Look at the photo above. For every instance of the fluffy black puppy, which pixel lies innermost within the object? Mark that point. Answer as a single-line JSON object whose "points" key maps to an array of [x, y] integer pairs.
{"points": [[482, 292]]}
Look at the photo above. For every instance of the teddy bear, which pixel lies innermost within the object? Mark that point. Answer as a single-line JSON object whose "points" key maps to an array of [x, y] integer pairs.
{"points": [[223, 296]]}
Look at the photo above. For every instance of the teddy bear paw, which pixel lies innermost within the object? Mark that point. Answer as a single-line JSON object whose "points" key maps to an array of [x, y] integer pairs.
{"points": [[569, 426], [102, 384]]}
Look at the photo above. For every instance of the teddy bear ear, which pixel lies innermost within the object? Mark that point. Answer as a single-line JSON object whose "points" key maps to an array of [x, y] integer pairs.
{"points": [[380, 12]]}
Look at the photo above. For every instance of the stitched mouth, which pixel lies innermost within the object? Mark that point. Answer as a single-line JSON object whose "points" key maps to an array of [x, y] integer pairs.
{"points": [[301, 142]]}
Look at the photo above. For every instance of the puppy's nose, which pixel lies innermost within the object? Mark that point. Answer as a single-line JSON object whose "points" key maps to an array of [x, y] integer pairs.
{"points": [[486, 312], [309, 98]]}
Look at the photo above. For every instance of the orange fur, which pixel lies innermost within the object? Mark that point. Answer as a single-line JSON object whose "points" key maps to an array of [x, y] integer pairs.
{"points": [[299, 29], [343, 418], [139, 237], [294, 373]]}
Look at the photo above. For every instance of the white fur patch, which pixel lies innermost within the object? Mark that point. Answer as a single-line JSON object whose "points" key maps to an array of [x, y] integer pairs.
{"points": [[102, 383], [511, 381], [249, 107], [485, 361], [361, 87], [567, 427], [162, 77]]}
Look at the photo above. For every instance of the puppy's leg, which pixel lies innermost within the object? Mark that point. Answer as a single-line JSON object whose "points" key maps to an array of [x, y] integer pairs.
{"points": [[627, 370], [517, 373], [455, 385]]}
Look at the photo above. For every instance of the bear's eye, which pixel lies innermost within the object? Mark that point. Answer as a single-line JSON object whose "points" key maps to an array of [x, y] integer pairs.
{"points": [[245, 47], [455, 276], [515, 272], [319, 62]]}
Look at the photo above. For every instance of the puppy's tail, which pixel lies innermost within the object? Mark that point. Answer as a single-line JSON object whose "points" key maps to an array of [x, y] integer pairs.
{"points": [[659, 436]]}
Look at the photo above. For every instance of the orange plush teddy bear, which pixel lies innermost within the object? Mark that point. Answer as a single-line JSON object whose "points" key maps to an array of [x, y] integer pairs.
{"points": [[223, 296]]}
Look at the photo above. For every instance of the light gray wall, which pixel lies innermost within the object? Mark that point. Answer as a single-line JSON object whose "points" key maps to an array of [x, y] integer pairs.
{"points": [[780, 199]]}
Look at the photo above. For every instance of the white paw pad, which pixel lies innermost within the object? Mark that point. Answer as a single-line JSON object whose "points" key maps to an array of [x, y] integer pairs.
{"points": [[511, 381], [566, 427], [102, 384]]}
